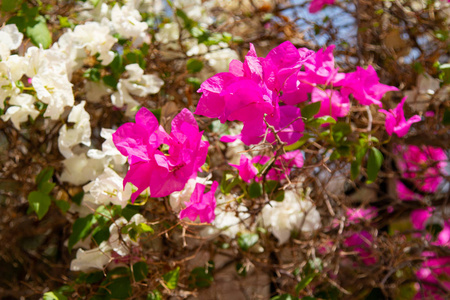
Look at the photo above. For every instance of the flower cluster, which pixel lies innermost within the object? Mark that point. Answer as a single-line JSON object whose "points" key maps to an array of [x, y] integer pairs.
{"points": [[160, 161], [262, 92], [423, 166]]}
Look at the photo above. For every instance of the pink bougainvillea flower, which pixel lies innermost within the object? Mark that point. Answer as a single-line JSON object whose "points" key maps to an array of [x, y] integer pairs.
{"points": [[317, 5], [201, 205], [361, 243], [365, 86], [321, 69], [425, 166], [405, 194], [150, 166], [246, 169], [419, 217], [282, 166], [139, 140], [396, 122], [355, 215], [332, 103], [433, 277]]}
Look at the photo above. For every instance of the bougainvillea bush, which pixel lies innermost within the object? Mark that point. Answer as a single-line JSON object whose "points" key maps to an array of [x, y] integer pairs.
{"points": [[213, 149]]}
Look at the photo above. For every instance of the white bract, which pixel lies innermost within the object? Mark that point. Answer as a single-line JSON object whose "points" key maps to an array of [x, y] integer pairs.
{"points": [[107, 188], [220, 59], [139, 84], [126, 21], [80, 133], [177, 199], [121, 244], [231, 217], [50, 80], [109, 151], [94, 259], [97, 39], [23, 107], [10, 39], [79, 169], [295, 212]]}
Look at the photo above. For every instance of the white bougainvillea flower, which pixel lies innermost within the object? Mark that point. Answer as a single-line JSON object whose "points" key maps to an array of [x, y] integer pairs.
{"points": [[219, 59], [109, 151], [97, 39], [22, 109], [232, 218], [80, 133], [295, 212], [126, 21], [169, 33], [107, 188], [11, 70], [93, 259], [139, 84], [95, 91], [79, 169], [10, 39], [121, 243], [177, 199], [122, 97]]}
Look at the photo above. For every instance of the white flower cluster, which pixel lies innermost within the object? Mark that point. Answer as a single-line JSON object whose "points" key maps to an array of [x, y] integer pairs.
{"points": [[295, 212], [118, 243]]}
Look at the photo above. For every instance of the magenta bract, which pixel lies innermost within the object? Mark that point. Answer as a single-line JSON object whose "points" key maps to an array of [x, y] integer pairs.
{"points": [[160, 161]]}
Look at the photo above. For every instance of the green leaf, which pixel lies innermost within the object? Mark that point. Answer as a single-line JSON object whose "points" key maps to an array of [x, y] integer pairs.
{"points": [[310, 110], [255, 190], [40, 203], [46, 187], [110, 80], [10, 6], [374, 164], [241, 269], [81, 229], [118, 284], [140, 271], [194, 65], [355, 168], [21, 22], [279, 196], [44, 176], [78, 198], [171, 278], [340, 132], [155, 295], [305, 282], [142, 228], [322, 120], [200, 277], [93, 74], [101, 234], [247, 240], [63, 205], [271, 186], [54, 296], [129, 211], [298, 143], [194, 81], [94, 277], [64, 22], [446, 118], [39, 33]]}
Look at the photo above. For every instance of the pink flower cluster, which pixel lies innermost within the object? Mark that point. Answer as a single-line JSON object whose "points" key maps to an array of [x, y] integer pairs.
{"points": [[281, 167], [160, 161], [264, 91], [433, 271], [423, 166], [201, 205], [396, 122]]}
